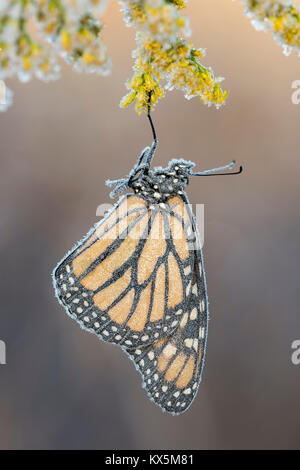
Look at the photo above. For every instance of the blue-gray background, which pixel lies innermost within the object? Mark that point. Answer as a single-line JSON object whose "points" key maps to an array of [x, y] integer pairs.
{"points": [[61, 387]]}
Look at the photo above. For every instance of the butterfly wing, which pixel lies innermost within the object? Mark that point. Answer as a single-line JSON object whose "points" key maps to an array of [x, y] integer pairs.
{"points": [[171, 368], [129, 279]]}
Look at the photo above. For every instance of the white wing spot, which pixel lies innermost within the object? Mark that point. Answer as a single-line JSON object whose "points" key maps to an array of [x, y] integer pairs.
{"points": [[169, 350], [188, 342], [194, 313], [187, 270], [201, 333], [184, 320], [188, 289], [200, 269]]}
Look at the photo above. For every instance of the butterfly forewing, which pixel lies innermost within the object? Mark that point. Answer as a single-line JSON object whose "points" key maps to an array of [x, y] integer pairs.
{"points": [[171, 367], [129, 280]]}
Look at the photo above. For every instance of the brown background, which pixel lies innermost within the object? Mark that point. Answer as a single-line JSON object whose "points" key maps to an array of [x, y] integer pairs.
{"points": [[62, 388]]}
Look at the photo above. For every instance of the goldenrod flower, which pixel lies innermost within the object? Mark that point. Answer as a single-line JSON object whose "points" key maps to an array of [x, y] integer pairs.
{"points": [[280, 17], [71, 29], [164, 58]]}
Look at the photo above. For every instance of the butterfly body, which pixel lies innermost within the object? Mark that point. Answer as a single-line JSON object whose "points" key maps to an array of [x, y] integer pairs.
{"points": [[137, 280], [161, 184]]}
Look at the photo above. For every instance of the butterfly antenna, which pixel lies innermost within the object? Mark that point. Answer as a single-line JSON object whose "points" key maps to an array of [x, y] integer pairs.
{"points": [[215, 171]]}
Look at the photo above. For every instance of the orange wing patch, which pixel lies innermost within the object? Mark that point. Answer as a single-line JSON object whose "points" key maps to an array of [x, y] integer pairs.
{"points": [[154, 249], [158, 306], [175, 295], [138, 320], [179, 238], [104, 271], [187, 373], [175, 368], [87, 257], [119, 313], [107, 296], [128, 204]]}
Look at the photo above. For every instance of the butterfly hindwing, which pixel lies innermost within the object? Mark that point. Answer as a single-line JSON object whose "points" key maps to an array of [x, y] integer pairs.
{"points": [[129, 279], [171, 368]]}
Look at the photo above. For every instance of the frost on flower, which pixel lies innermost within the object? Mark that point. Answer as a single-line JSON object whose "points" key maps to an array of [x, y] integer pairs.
{"points": [[280, 17], [164, 58], [34, 32]]}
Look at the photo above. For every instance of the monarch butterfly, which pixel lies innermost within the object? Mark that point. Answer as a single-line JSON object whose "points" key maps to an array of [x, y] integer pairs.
{"points": [[137, 279]]}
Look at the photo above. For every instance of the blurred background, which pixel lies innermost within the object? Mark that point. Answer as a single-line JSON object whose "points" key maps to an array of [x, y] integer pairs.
{"points": [[64, 389]]}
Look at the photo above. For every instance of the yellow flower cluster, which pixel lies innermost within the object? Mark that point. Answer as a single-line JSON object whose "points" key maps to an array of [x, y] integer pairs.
{"points": [[69, 28], [20, 53], [281, 17], [75, 31], [164, 58]]}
